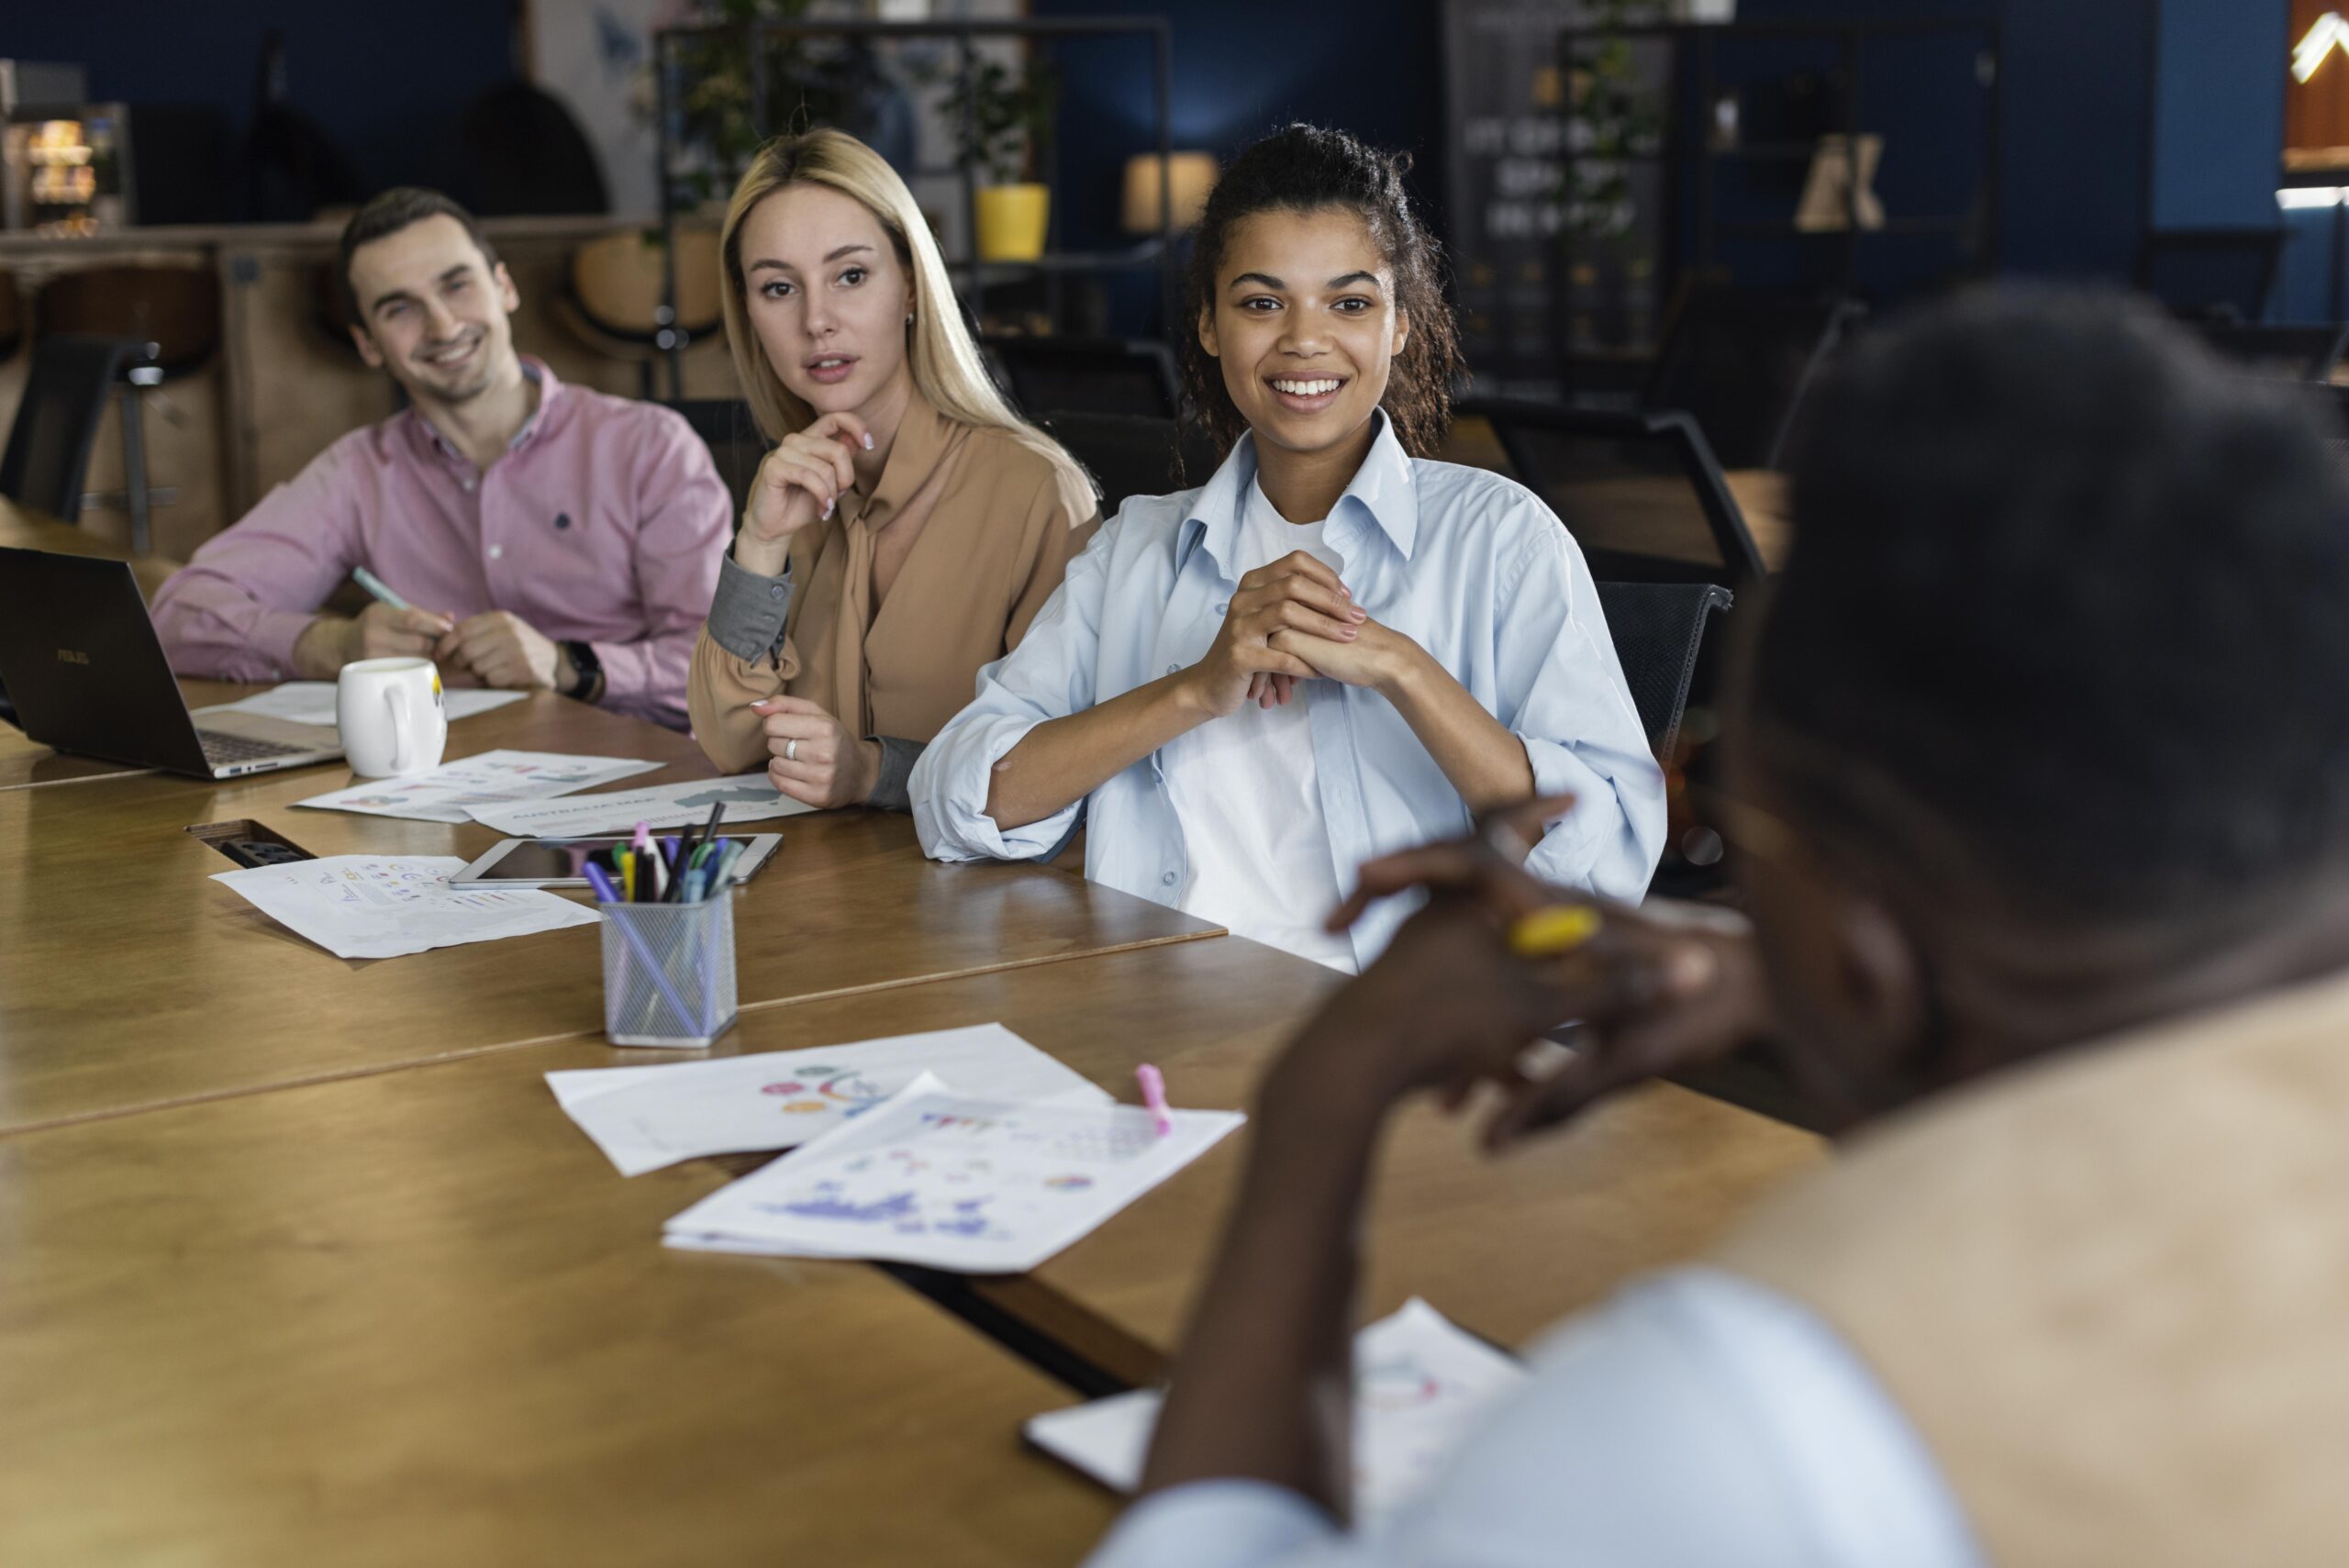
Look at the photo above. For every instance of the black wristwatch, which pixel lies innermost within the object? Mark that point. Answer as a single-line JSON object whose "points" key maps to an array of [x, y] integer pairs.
{"points": [[590, 684]]}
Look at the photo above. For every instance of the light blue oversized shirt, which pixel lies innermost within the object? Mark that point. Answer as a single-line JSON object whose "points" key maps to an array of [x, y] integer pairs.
{"points": [[1696, 1420], [1469, 564]]}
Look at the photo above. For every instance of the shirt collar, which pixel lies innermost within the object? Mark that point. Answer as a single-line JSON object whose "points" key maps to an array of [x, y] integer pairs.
{"points": [[534, 370], [1381, 491], [914, 452]]}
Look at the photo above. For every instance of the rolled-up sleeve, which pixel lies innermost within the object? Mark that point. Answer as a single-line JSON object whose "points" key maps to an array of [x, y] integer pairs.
{"points": [[1050, 675], [1564, 697], [235, 611], [687, 517], [741, 657]]}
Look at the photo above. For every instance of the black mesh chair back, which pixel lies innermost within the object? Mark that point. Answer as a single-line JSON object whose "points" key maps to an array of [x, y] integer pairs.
{"points": [[726, 429], [1658, 629], [1641, 492], [1101, 375], [1739, 363], [2283, 353], [65, 397], [1132, 454], [2210, 274]]}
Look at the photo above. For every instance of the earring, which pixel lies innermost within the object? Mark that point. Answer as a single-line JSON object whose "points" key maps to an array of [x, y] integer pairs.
{"points": [[910, 318]]}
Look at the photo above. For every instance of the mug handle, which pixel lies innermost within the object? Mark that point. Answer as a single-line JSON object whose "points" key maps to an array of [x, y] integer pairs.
{"points": [[396, 698]]}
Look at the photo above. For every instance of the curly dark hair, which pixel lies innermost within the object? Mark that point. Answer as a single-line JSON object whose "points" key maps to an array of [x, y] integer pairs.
{"points": [[1304, 168]]}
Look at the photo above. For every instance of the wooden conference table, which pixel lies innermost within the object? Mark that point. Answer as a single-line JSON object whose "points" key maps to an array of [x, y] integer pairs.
{"points": [[299, 1261]]}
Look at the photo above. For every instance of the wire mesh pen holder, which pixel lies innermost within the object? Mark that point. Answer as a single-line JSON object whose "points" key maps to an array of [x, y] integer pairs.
{"points": [[669, 971]]}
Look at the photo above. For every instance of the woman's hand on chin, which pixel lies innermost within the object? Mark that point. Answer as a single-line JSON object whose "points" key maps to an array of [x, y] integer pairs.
{"points": [[800, 482]]}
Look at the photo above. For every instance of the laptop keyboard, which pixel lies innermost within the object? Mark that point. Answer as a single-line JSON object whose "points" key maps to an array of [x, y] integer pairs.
{"points": [[227, 751]]}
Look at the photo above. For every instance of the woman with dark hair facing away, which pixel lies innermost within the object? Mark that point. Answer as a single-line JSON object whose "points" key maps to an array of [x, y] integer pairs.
{"points": [[1336, 648]]}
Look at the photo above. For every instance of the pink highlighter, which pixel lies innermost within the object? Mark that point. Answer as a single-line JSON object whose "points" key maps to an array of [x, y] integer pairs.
{"points": [[1153, 1095]]}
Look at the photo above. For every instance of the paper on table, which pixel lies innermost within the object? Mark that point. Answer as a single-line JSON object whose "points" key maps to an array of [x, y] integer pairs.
{"points": [[955, 1181], [444, 793], [645, 1118], [312, 701], [1420, 1386], [380, 906], [748, 797]]}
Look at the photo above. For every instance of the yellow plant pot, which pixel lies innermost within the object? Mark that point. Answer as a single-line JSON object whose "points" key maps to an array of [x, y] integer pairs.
{"points": [[1012, 220]]}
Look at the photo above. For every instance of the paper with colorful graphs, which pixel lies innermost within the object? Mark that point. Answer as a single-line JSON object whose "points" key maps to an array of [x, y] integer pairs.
{"points": [[1421, 1385], [646, 1117], [953, 1181]]}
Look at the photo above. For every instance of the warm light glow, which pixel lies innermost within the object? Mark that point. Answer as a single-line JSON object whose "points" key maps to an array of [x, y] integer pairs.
{"points": [[1191, 175], [2312, 51]]}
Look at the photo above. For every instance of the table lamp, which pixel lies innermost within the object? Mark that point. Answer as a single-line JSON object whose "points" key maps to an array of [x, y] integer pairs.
{"points": [[1191, 175]]}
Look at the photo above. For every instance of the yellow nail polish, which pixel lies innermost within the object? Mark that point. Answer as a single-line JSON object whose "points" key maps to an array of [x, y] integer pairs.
{"points": [[1560, 928]]}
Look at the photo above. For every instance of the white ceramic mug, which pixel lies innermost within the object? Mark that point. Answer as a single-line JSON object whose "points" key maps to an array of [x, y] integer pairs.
{"points": [[392, 715]]}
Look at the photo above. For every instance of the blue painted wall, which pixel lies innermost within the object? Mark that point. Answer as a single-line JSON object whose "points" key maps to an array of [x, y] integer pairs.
{"points": [[2217, 124], [384, 81], [1240, 68]]}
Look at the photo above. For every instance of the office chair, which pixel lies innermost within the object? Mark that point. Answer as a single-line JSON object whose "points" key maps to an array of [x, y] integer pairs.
{"points": [[1739, 361], [1134, 454], [71, 379], [173, 313], [726, 429], [1640, 493], [2210, 274], [1103, 375], [1658, 629], [2283, 353]]}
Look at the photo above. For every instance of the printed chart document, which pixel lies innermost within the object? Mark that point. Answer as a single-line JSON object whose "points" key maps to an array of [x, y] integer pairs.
{"points": [[312, 701], [646, 1117], [748, 797], [493, 778], [1420, 1384], [951, 1180], [379, 906]]}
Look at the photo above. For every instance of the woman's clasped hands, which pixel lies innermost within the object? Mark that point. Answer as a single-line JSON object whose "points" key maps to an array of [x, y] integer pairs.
{"points": [[1294, 620]]}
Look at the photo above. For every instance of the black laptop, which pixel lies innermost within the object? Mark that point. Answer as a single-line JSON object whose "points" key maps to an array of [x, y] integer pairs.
{"points": [[81, 660]]}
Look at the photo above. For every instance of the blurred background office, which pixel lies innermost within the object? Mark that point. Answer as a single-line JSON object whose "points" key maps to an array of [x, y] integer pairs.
{"points": [[1662, 215]]}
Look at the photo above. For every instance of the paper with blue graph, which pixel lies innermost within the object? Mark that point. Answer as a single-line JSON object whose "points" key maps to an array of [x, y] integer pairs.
{"points": [[1420, 1384], [745, 797], [646, 1117], [953, 1180]]}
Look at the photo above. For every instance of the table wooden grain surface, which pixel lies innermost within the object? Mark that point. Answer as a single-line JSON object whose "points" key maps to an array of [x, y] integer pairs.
{"points": [[300, 1261], [415, 1318], [1505, 1246], [129, 978]]}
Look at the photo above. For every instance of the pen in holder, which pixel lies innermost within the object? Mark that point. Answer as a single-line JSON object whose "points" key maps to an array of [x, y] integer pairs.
{"points": [[669, 971]]}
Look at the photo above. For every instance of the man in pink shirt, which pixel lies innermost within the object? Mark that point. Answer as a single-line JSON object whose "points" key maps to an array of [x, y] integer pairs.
{"points": [[547, 536]]}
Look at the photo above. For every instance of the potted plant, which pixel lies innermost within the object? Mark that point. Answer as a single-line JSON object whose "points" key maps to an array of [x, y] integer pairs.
{"points": [[1003, 124]]}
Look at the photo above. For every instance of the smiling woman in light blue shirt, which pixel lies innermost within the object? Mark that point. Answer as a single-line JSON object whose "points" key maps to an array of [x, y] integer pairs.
{"points": [[1334, 648]]}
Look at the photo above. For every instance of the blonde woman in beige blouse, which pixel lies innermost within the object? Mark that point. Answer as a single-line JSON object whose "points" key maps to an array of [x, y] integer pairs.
{"points": [[908, 525]]}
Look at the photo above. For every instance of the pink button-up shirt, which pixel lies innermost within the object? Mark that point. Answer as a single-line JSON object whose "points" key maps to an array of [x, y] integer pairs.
{"points": [[604, 523]]}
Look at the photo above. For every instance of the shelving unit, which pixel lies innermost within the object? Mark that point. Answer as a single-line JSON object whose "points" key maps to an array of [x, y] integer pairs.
{"points": [[970, 274], [1705, 158]]}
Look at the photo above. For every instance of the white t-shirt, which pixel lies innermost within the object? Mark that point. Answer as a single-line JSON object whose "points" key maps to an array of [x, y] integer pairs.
{"points": [[1246, 792]]}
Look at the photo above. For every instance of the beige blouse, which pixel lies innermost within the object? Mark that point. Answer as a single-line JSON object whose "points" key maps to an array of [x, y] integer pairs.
{"points": [[897, 599], [2110, 1288]]}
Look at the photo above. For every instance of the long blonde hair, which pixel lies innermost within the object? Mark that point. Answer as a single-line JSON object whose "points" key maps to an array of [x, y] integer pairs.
{"points": [[944, 357]]}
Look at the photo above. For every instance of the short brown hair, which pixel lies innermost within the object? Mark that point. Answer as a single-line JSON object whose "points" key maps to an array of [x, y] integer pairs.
{"points": [[388, 213]]}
